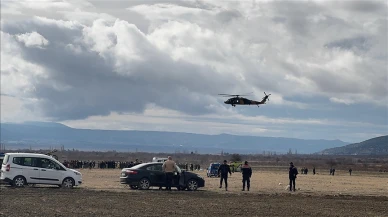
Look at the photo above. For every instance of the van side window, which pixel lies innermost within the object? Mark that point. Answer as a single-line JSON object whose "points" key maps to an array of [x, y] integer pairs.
{"points": [[27, 161], [17, 160], [30, 161], [49, 164]]}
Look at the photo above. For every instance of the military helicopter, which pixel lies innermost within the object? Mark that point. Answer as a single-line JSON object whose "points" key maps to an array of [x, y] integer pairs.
{"points": [[236, 100]]}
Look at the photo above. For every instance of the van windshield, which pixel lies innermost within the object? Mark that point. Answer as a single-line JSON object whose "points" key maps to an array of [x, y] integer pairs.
{"points": [[5, 159]]}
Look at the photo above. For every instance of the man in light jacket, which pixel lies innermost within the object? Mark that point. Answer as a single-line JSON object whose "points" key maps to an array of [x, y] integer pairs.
{"points": [[169, 167]]}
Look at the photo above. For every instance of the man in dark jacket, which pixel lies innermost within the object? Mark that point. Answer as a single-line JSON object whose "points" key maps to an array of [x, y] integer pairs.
{"points": [[224, 169], [246, 171], [293, 172]]}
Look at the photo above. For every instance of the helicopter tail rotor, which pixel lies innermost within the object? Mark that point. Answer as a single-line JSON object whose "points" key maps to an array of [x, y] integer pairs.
{"points": [[266, 96]]}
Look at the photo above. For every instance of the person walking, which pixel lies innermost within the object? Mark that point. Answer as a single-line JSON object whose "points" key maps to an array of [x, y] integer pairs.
{"points": [[293, 172], [224, 169], [169, 168], [246, 171]]}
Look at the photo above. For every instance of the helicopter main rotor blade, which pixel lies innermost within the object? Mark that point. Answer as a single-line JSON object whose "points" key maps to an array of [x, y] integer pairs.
{"points": [[232, 94]]}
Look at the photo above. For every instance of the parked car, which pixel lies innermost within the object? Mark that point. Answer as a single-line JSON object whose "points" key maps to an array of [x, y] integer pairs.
{"points": [[146, 175], [235, 166], [159, 159], [20, 169], [212, 170]]}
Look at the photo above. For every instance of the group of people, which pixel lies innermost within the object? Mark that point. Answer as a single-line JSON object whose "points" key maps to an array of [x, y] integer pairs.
{"points": [[304, 170], [77, 164], [169, 167], [190, 167], [246, 171]]}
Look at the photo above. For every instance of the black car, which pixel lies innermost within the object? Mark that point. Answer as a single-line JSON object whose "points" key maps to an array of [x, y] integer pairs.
{"points": [[146, 175]]}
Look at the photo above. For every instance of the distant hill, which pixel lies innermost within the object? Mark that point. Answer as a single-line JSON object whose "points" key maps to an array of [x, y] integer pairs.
{"points": [[41, 134], [375, 146]]}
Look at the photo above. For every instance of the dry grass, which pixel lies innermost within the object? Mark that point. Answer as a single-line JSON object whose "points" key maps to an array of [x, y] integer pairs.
{"points": [[365, 183], [103, 195]]}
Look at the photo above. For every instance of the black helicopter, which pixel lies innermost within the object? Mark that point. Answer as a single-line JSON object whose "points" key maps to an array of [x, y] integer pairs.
{"points": [[236, 100]]}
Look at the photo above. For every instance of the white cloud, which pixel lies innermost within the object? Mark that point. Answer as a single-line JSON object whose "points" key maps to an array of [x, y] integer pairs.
{"points": [[96, 64], [33, 39], [344, 101]]}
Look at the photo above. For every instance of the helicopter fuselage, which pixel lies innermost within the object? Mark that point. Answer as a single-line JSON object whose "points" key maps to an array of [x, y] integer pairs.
{"points": [[243, 101]]}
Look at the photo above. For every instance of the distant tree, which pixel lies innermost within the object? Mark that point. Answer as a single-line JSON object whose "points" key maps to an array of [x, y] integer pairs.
{"points": [[235, 157], [331, 163]]}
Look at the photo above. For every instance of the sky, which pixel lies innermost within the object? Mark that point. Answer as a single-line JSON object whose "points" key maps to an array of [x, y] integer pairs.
{"points": [[160, 65]]}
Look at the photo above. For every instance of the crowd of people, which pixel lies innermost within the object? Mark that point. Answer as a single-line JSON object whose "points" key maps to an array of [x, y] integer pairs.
{"points": [[169, 167], [77, 164], [189, 167]]}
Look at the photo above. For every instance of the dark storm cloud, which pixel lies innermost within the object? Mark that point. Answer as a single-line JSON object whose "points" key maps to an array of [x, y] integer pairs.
{"points": [[78, 85], [227, 16], [356, 43], [370, 6]]}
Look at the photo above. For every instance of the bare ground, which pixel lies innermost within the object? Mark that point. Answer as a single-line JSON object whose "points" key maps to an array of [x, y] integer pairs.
{"points": [[102, 195]]}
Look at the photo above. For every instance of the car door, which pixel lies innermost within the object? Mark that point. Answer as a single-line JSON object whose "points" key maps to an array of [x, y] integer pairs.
{"points": [[50, 172], [157, 176], [29, 168]]}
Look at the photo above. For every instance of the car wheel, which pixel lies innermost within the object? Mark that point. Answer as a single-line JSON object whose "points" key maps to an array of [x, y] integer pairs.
{"points": [[19, 181], [144, 184], [68, 183], [134, 187], [192, 185]]}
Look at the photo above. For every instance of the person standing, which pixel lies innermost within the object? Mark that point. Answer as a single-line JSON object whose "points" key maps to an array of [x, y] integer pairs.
{"points": [[224, 169], [314, 170], [350, 171], [293, 172], [246, 171], [169, 168]]}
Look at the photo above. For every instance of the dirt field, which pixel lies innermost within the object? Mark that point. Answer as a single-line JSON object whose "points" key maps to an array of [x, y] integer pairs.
{"points": [[102, 195], [366, 184]]}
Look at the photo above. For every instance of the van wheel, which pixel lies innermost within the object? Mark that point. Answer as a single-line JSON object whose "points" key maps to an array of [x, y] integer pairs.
{"points": [[19, 181], [68, 183]]}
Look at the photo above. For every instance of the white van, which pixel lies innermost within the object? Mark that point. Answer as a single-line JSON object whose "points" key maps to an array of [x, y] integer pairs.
{"points": [[159, 159], [20, 169]]}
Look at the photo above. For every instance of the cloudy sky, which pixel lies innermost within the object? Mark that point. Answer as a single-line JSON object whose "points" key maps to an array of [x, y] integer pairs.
{"points": [[159, 65]]}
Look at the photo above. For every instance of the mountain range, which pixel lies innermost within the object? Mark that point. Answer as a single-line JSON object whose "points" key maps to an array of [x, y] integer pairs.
{"points": [[374, 146], [46, 134]]}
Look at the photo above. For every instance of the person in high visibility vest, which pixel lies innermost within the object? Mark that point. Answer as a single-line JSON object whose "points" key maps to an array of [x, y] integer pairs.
{"points": [[246, 171]]}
